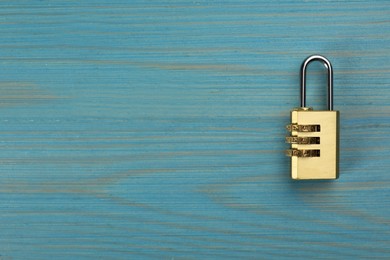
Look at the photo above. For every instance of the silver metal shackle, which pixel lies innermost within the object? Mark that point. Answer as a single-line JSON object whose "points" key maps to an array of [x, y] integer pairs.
{"points": [[328, 65]]}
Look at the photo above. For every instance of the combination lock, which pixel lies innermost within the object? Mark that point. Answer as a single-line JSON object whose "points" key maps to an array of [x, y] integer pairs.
{"points": [[314, 134]]}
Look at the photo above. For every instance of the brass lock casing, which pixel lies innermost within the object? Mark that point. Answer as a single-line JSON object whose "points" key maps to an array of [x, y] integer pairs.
{"points": [[314, 144], [314, 135]]}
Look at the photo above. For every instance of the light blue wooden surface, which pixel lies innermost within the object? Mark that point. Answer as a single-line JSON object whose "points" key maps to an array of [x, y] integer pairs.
{"points": [[155, 130]]}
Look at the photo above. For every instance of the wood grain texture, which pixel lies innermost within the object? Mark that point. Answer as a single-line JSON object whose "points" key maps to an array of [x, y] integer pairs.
{"points": [[155, 129]]}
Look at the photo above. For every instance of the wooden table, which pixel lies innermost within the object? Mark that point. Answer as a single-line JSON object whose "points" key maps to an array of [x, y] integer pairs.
{"points": [[155, 129]]}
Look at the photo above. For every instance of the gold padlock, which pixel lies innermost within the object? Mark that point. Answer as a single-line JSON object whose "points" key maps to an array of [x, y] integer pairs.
{"points": [[314, 134]]}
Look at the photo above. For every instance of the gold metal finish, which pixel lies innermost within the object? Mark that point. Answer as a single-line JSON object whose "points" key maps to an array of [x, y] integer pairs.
{"points": [[303, 108], [302, 140], [303, 153], [311, 160], [303, 128]]}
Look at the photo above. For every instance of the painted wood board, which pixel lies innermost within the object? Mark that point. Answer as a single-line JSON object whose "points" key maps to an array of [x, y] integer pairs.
{"points": [[155, 129]]}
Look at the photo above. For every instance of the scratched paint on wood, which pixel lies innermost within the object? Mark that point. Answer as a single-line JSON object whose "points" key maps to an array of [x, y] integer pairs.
{"points": [[155, 130]]}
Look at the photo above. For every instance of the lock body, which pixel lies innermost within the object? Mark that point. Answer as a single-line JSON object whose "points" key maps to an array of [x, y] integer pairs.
{"points": [[314, 144]]}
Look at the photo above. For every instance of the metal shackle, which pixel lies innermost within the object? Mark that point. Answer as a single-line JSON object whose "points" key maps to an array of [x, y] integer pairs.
{"points": [[328, 65]]}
